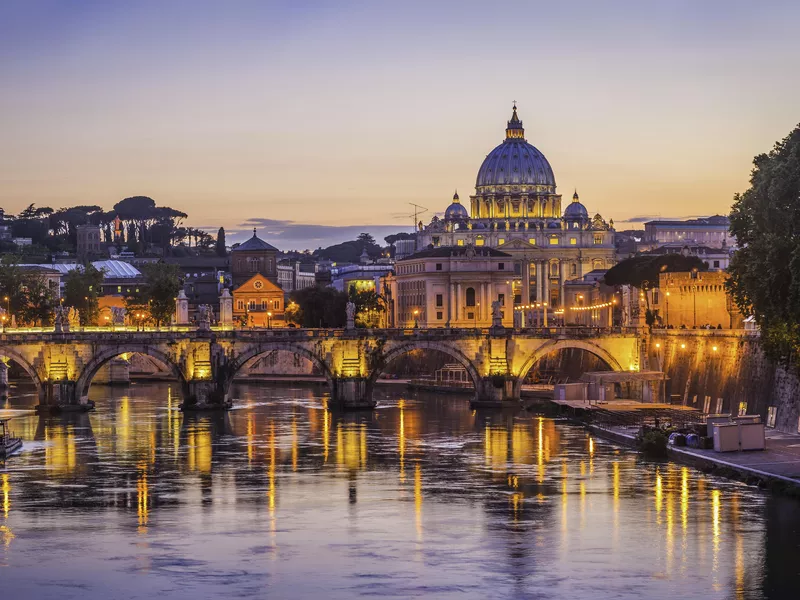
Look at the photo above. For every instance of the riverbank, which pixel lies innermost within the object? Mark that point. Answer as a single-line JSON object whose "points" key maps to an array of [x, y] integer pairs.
{"points": [[777, 467]]}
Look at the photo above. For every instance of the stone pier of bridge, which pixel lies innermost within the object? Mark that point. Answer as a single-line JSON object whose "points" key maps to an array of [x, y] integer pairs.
{"points": [[63, 365]]}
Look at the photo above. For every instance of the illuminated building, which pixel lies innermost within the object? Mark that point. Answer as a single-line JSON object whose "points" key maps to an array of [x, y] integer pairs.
{"points": [[251, 257], [451, 287], [258, 302], [516, 209]]}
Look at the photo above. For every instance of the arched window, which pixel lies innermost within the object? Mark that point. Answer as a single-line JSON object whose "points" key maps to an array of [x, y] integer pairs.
{"points": [[470, 296]]}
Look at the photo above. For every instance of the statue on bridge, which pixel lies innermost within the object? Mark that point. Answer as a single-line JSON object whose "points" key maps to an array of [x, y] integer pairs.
{"points": [[350, 309], [62, 319], [117, 315], [497, 319], [204, 316]]}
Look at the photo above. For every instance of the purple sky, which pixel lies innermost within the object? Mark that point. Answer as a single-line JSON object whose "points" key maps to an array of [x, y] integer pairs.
{"points": [[337, 114]]}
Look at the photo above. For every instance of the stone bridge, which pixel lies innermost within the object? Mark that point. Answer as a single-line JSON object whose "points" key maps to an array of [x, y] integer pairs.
{"points": [[62, 365]]}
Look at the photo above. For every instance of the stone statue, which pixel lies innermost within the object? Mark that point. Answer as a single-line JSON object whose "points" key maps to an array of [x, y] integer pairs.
{"points": [[497, 320], [204, 317], [117, 315], [73, 317], [350, 309]]}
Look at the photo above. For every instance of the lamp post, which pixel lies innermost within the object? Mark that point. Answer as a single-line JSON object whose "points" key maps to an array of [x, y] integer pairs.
{"points": [[666, 303], [544, 306], [269, 320], [8, 304], [416, 322]]}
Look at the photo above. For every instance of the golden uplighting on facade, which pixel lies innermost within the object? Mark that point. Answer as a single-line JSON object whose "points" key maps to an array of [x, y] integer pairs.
{"points": [[683, 346]]}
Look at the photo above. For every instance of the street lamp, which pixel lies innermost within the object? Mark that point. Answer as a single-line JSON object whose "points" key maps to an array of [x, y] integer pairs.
{"points": [[269, 320], [8, 304], [416, 322], [666, 302]]}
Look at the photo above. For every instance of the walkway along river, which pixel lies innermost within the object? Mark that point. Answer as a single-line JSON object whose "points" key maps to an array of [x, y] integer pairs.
{"points": [[422, 497]]}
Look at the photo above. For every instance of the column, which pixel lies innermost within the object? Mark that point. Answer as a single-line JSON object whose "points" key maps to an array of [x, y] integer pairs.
{"points": [[562, 272], [526, 282], [543, 296], [481, 303], [458, 300], [451, 304]]}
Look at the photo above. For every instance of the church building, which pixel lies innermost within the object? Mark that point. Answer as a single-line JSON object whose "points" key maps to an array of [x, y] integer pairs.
{"points": [[516, 209]]}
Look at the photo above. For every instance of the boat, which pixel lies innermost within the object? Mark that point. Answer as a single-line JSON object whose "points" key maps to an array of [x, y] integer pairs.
{"points": [[8, 443]]}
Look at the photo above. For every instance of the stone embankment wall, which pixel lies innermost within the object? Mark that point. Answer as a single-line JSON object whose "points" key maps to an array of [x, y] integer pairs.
{"points": [[727, 365]]}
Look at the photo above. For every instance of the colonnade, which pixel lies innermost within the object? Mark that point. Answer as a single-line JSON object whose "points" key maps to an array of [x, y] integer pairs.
{"points": [[543, 281]]}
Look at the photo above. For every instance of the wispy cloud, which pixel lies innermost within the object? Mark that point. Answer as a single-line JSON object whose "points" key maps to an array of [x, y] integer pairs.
{"points": [[290, 235], [646, 218]]}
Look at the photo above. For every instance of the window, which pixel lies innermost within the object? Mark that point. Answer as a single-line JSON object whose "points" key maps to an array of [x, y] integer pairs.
{"points": [[598, 240], [240, 304], [263, 304], [470, 297], [554, 241], [119, 289], [439, 316], [435, 241], [479, 242], [501, 241], [460, 242], [252, 305], [501, 298], [532, 241], [573, 241], [471, 315], [276, 304], [501, 266], [742, 408], [438, 266], [439, 300], [573, 269], [716, 264]]}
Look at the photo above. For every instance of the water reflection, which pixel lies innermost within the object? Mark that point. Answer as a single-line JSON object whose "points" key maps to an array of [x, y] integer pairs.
{"points": [[475, 504]]}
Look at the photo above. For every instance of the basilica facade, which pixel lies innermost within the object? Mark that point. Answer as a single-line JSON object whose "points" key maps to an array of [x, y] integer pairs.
{"points": [[517, 210]]}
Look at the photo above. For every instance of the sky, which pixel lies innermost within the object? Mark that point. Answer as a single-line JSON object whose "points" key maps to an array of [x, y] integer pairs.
{"points": [[317, 120]]}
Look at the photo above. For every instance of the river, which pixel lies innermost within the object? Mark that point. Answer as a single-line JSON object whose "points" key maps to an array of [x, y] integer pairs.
{"points": [[423, 497]]}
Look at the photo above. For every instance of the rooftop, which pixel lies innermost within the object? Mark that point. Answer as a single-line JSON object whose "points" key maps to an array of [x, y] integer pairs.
{"points": [[448, 251]]}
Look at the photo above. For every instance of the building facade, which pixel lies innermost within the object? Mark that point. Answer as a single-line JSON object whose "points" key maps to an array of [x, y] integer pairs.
{"points": [[292, 276], [713, 232], [251, 257], [516, 209], [258, 302], [451, 286], [695, 299], [88, 241]]}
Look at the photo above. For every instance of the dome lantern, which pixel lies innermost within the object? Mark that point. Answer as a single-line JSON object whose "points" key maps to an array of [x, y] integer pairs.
{"points": [[515, 131]]}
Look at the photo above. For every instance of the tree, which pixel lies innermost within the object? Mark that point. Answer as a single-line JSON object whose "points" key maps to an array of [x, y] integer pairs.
{"points": [[220, 244], [765, 270], [369, 307], [321, 306], [30, 298], [157, 296], [643, 268], [82, 289]]}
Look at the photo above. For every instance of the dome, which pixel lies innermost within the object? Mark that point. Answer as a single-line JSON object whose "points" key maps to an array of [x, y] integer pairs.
{"points": [[515, 161], [576, 210], [456, 211]]}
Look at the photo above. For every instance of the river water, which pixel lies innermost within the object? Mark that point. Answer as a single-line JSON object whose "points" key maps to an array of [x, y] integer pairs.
{"points": [[283, 498]]}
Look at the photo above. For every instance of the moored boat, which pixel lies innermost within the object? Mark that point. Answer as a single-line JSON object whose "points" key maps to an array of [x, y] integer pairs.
{"points": [[8, 443]]}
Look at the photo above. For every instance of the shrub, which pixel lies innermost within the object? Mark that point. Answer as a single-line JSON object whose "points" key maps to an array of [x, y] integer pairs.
{"points": [[653, 444]]}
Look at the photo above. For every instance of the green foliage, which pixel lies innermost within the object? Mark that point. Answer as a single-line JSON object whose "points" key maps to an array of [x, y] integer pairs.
{"points": [[220, 243], [391, 239], [30, 298], [157, 296], [369, 307], [82, 288], [350, 252], [765, 270], [321, 306], [652, 443], [646, 267]]}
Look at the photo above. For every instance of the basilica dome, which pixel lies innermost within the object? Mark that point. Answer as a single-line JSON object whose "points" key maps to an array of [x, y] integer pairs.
{"points": [[456, 211], [515, 161], [576, 210]]}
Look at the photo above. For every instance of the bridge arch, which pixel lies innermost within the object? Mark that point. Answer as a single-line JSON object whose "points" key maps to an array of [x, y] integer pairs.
{"points": [[265, 348], [26, 366], [399, 350], [101, 357], [556, 345]]}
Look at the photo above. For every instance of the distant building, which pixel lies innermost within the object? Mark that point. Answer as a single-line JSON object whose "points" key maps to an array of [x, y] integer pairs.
{"points": [[295, 276], [88, 244], [713, 232], [204, 278], [251, 257], [516, 209], [5, 226], [359, 277], [119, 278], [452, 286], [259, 302], [590, 302]]}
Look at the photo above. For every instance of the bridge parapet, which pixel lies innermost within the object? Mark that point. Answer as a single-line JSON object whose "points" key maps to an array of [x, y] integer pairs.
{"points": [[206, 362]]}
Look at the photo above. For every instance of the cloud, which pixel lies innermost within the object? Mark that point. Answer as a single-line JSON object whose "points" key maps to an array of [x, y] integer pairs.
{"points": [[290, 235], [646, 218]]}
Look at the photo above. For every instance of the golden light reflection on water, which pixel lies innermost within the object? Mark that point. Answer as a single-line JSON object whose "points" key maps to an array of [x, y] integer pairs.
{"points": [[418, 500], [60, 452], [351, 446], [6, 494], [401, 440], [142, 499]]}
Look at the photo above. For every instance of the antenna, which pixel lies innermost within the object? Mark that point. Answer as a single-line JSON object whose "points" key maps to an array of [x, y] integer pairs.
{"points": [[418, 210]]}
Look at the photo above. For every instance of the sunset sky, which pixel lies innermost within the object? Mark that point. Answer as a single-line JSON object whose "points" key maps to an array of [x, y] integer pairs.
{"points": [[336, 115]]}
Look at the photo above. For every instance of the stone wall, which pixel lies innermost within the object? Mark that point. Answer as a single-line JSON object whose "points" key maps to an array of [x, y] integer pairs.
{"points": [[726, 364]]}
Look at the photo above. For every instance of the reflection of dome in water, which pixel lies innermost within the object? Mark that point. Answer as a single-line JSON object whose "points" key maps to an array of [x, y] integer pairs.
{"points": [[456, 211], [515, 161]]}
